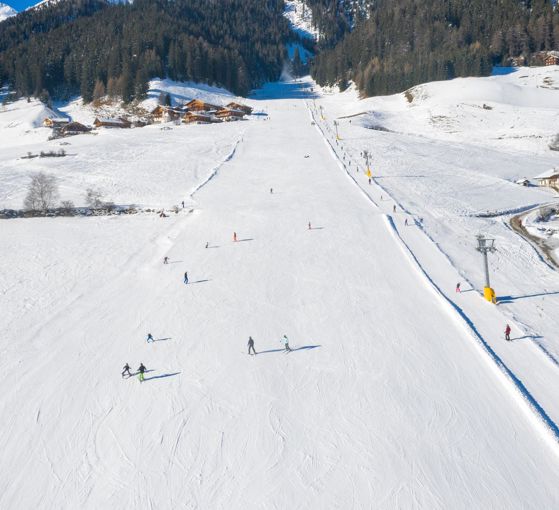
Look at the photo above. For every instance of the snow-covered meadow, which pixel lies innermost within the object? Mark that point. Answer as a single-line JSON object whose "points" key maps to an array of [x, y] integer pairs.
{"points": [[155, 166]]}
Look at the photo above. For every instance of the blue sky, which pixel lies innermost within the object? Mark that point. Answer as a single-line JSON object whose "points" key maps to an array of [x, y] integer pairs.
{"points": [[19, 5]]}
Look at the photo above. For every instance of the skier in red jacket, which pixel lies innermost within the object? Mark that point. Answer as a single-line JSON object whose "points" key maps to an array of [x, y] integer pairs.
{"points": [[507, 333]]}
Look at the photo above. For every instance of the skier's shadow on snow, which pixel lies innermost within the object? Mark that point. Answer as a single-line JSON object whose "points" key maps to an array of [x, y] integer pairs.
{"points": [[316, 228], [162, 376], [175, 262], [304, 347], [198, 281], [526, 337], [138, 373], [162, 339], [244, 240]]}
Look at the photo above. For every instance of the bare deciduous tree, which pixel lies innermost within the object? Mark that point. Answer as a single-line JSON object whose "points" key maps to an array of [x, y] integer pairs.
{"points": [[93, 198], [42, 193], [67, 206]]}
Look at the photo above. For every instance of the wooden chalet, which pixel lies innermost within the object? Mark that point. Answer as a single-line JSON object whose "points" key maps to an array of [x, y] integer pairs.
{"points": [[247, 110], [111, 123], [197, 105], [74, 128], [162, 113], [549, 179], [199, 118], [227, 114], [55, 122], [552, 60], [196, 118]]}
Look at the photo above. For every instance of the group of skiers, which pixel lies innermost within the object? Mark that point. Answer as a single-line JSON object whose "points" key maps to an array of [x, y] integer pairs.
{"points": [[141, 370], [284, 340]]}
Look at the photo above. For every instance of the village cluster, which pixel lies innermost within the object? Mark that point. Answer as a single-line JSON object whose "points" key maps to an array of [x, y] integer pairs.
{"points": [[193, 112]]}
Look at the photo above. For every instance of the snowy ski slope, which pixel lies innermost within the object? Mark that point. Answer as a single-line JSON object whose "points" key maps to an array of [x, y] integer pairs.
{"points": [[387, 401]]}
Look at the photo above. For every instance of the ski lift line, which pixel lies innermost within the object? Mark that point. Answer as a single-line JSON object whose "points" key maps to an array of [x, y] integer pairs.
{"points": [[340, 163], [534, 410], [382, 188]]}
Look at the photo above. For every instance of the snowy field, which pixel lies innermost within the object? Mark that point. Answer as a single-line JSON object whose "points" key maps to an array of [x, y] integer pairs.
{"points": [[397, 394], [150, 166]]}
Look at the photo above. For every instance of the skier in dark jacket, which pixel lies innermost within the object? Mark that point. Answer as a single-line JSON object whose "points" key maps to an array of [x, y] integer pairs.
{"points": [[126, 370], [150, 338], [185, 277], [141, 369], [251, 345]]}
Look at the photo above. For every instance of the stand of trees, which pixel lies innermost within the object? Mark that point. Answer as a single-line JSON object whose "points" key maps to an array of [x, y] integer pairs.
{"points": [[400, 43], [96, 48]]}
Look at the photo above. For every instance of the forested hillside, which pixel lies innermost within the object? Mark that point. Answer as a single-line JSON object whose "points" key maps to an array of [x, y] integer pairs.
{"points": [[92, 47], [399, 43]]}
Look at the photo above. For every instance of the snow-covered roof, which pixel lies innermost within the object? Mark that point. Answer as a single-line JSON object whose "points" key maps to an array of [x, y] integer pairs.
{"points": [[548, 173], [107, 120], [59, 119]]}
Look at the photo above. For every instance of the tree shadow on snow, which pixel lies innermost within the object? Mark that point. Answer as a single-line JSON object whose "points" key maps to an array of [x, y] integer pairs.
{"points": [[161, 376]]}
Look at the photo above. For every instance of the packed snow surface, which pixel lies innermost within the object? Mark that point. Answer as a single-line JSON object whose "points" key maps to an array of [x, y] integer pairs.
{"points": [[398, 393]]}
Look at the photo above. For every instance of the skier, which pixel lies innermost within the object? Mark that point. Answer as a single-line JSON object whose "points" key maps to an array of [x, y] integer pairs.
{"points": [[126, 370], [185, 277], [271, 191], [369, 181], [310, 225], [182, 204], [393, 208], [507, 333], [458, 287], [207, 244], [406, 222], [234, 237], [141, 369], [166, 260], [251, 345], [150, 338], [285, 340]]}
